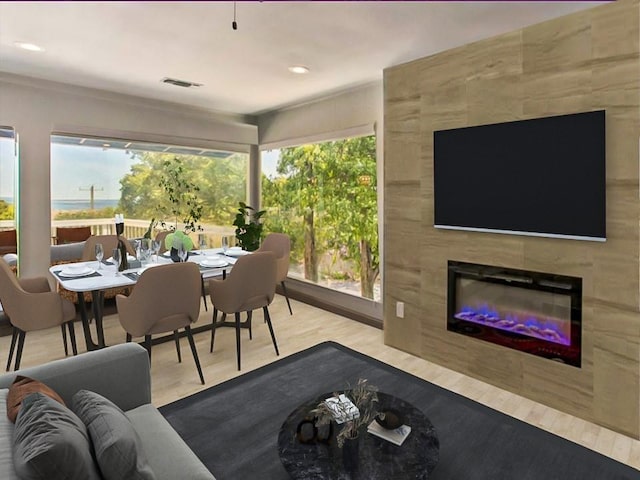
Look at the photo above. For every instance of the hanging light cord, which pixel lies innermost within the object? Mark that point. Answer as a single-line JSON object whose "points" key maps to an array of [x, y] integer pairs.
{"points": [[234, 24]]}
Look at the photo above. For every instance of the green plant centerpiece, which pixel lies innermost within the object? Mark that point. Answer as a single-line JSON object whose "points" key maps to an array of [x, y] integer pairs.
{"points": [[248, 227], [363, 396], [182, 204]]}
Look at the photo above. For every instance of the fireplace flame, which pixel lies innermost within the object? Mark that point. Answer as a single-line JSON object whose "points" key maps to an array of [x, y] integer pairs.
{"points": [[525, 323]]}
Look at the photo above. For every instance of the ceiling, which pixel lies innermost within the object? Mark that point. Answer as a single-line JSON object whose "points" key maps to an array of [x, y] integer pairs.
{"points": [[129, 47]]}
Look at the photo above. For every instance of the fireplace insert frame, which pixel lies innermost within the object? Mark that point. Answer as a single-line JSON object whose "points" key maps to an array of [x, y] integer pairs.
{"points": [[522, 279]]}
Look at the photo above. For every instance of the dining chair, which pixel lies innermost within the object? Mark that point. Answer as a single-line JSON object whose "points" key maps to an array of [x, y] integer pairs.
{"points": [[250, 285], [72, 234], [8, 241], [31, 305], [109, 242], [166, 299], [280, 245]]}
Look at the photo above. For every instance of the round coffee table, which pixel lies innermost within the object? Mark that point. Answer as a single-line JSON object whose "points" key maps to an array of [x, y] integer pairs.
{"points": [[374, 458]]}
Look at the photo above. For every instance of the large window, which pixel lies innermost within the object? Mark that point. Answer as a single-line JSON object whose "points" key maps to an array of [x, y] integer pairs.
{"points": [[8, 157], [93, 178], [324, 196]]}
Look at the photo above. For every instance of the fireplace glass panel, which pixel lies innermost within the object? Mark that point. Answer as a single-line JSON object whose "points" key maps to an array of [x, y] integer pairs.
{"points": [[534, 312]]}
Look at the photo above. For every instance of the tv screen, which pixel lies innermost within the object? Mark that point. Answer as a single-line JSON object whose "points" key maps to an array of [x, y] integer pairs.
{"points": [[543, 177]]}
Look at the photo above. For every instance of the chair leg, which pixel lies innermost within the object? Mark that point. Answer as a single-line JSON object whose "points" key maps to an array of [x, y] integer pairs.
{"points": [[129, 338], [176, 337], [19, 351], [249, 316], [204, 294], [147, 345], [213, 328], [14, 337], [267, 317], [284, 290], [64, 340], [72, 337], [238, 338], [192, 344]]}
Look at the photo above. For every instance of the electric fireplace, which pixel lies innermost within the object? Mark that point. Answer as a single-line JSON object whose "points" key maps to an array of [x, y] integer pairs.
{"points": [[534, 312]]}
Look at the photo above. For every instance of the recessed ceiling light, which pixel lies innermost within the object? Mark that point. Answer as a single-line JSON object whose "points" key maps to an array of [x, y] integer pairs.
{"points": [[32, 47], [300, 69]]}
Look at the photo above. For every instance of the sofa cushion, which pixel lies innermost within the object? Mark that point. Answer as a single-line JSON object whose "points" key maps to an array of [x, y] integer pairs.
{"points": [[7, 472], [117, 447], [168, 454], [23, 386], [51, 442]]}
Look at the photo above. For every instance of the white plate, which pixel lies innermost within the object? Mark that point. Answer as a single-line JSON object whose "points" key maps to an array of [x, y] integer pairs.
{"points": [[213, 262], [236, 252], [129, 258], [76, 271]]}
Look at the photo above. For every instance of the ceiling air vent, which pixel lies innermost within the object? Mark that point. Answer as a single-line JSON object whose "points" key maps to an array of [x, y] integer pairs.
{"points": [[180, 83]]}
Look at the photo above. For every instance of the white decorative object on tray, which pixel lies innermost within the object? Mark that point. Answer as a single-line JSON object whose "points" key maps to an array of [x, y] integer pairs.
{"points": [[396, 436], [342, 408]]}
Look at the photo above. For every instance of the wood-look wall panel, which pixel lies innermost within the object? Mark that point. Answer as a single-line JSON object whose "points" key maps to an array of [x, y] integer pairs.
{"points": [[493, 100], [561, 44], [496, 57], [548, 382], [615, 30], [622, 209], [614, 84], [620, 167], [555, 93], [400, 200], [581, 62], [615, 382]]}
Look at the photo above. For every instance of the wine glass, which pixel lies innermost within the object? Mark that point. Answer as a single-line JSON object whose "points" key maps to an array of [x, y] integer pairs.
{"points": [[225, 244], [145, 247], [183, 253], [117, 259], [99, 254], [155, 247]]}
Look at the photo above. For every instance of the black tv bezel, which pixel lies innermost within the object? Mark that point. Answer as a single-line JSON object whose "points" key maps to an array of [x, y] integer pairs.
{"points": [[446, 226]]}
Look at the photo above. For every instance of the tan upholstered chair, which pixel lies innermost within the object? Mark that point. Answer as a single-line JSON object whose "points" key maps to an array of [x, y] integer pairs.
{"points": [[250, 285], [109, 242], [72, 234], [8, 241], [166, 299], [280, 245], [160, 238], [31, 305]]}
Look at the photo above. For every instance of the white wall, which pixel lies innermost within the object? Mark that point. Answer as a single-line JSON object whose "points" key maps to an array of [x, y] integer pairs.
{"points": [[37, 108]]}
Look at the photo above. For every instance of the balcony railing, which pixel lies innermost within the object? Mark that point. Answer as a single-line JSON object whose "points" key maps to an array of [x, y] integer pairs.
{"points": [[134, 228]]}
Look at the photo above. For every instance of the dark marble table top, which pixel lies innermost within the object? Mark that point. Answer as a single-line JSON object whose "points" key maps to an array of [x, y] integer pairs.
{"points": [[372, 458]]}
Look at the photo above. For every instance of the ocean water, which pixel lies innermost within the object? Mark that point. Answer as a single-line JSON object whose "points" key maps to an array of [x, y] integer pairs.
{"points": [[75, 204], [83, 204]]}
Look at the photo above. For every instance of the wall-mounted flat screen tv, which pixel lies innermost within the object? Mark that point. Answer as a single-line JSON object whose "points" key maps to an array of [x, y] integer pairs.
{"points": [[542, 177]]}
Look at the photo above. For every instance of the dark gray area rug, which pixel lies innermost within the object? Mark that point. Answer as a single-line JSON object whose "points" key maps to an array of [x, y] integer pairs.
{"points": [[233, 427]]}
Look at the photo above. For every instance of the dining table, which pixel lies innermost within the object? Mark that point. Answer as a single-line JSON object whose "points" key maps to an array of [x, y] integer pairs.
{"points": [[90, 276]]}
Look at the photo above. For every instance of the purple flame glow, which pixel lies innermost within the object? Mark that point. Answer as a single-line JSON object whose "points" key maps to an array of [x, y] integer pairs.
{"points": [[549, 329]]}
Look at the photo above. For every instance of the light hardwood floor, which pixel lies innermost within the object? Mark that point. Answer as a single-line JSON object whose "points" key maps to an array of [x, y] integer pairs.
{"points": [[309, 326]]}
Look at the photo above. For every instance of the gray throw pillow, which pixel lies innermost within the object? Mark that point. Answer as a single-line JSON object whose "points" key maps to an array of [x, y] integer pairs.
{"points": [[50, 442], [116, 444]]}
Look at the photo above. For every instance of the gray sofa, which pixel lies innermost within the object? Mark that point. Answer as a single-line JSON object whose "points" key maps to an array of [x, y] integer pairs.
{"points": [[121, 374]]}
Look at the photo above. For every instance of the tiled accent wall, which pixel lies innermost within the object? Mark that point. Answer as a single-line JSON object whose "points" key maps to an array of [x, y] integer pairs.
{"points": [[581, 62]]}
